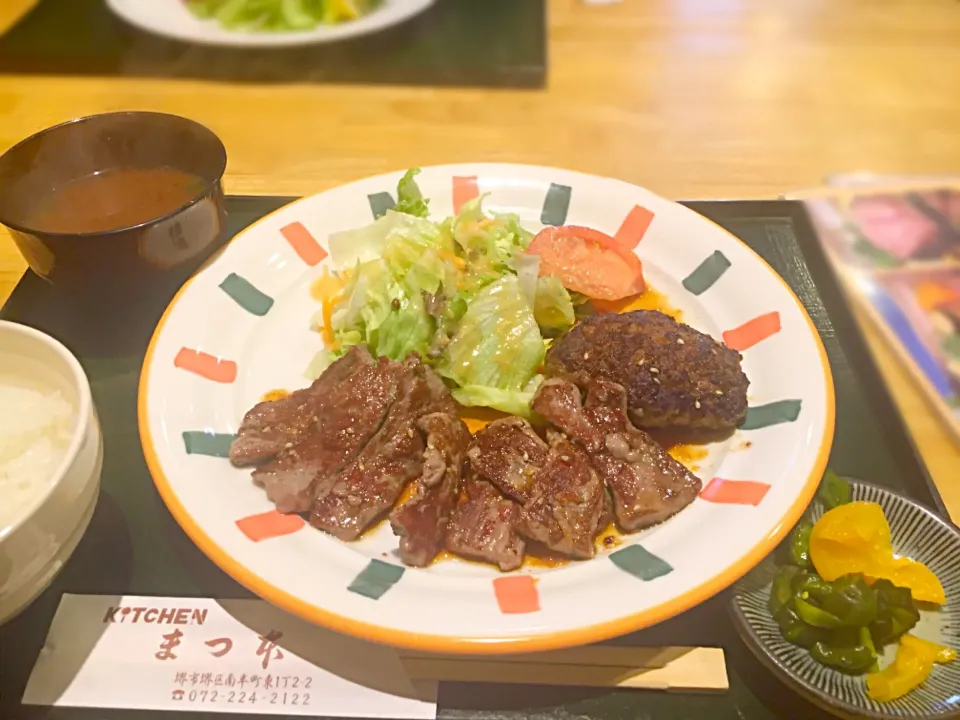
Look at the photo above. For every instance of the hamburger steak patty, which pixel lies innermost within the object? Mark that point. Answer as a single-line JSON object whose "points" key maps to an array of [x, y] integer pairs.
{"points": [[675, 376]]}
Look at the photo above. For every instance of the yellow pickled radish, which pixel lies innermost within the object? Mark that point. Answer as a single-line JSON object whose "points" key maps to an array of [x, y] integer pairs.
{"points": [[907, 573], [935, 651], [855, 538], [899, 678], [849, 538], [913, 664]]}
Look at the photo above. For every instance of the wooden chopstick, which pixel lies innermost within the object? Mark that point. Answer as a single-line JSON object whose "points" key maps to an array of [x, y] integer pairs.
{"points": [[654, 668]]}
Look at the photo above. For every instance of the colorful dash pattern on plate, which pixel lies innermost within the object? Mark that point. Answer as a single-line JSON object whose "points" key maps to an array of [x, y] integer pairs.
{"points": [[381, 202], [734, 492], [465, 189], [516, 594], [304, 244], [270, 524], [376, 578], [246, 295], [634, 227], [753, 331], [201, 442], [513, 594], [206, 365]]}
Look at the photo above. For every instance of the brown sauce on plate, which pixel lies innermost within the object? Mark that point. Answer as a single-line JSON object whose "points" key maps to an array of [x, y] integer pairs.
{"points": [[688, 455], [534, 557], [609, 538], [649, 299], [113, 199], [271, 395]]}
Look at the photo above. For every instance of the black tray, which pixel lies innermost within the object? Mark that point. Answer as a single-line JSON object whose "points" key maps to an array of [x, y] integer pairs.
{"points": [[134, 547], [494, 43]]}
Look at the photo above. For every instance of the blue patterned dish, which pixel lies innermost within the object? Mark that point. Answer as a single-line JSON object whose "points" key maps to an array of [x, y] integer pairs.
{"points": [[917, 533]]}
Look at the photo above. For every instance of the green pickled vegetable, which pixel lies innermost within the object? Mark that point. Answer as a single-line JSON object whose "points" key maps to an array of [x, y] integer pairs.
{"points": [[834, 490], [817, 617], [807, 582], [896, 612], [848, 598], [798, 545], [795, 630], [782, 593], [841, 623], [849, 651]]}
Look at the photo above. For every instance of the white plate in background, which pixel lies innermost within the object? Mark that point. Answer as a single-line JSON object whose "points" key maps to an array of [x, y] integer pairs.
{"points": [[172, 19]]}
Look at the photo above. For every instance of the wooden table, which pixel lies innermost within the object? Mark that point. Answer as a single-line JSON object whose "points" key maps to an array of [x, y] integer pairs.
{"points": [[691, 98]]}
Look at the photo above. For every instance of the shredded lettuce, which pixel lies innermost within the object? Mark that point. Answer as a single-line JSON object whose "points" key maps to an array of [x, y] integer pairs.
{"points": [[406, 328], [462, 293], [369, 243], [527, 268], [388, 318], [497, 346], [489, 243], [409, 199], [423, 259], [552, 306], [509, 401], [280, 15]]}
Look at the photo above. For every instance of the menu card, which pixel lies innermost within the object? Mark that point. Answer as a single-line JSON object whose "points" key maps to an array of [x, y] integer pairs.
{"points": [[896, 246], [195, 654]]}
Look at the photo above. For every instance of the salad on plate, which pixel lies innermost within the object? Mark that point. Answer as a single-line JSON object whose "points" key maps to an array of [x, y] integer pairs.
{"points": [[476, 296], [280, 15]]}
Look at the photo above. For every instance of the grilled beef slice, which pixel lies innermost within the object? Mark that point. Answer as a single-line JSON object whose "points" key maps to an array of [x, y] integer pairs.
{"points": [[370, 484], [647, 484], [561, 495], [675, 376], [270, 426], [352, 411], [483, 525], [508, 453], [566, 501], [421, 521]]}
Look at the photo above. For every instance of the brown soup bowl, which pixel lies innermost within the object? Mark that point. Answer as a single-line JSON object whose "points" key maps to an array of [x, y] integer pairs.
{"points": [[150, 236]]}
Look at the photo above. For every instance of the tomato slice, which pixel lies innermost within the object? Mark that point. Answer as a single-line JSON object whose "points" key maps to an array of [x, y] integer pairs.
{"points": [[588, 261]]}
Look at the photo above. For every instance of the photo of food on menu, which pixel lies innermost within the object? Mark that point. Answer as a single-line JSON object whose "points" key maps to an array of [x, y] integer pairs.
{"points": [[898, 248]]}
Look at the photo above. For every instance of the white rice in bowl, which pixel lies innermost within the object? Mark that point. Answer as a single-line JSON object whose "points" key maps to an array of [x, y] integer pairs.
{"points": [[36, 425]]}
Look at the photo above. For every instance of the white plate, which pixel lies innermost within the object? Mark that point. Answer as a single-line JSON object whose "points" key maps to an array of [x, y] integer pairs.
{"points": [[172, 19], [453, 606]]}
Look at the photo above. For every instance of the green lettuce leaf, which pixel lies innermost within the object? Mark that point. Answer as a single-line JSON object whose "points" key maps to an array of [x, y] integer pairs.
{"points": [[497, 345], [515, 402], [489, 243], [421, 257], [552, 307], [409, 199], [511, 224], [381, 313], [407, 328], [370, 242]]}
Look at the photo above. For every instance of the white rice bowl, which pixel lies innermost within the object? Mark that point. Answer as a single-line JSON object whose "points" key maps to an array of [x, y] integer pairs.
{"points": [[35, 429], [51, 455]]}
